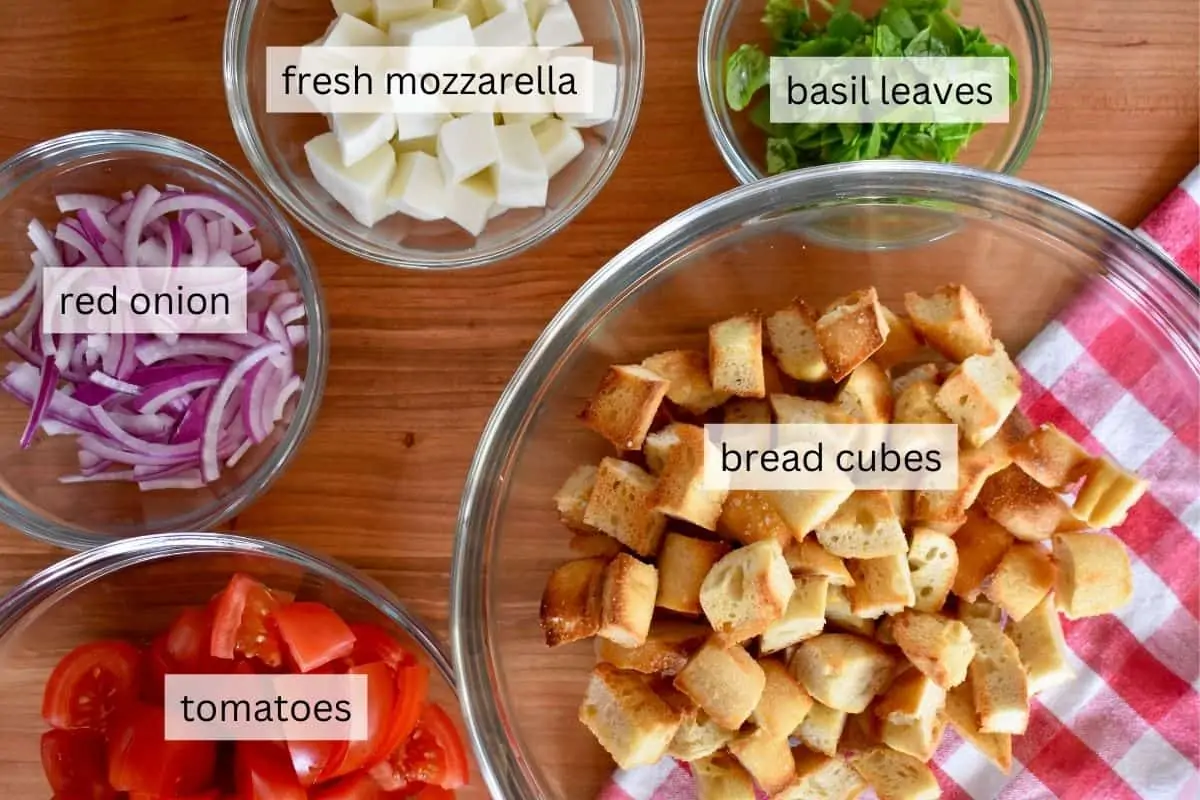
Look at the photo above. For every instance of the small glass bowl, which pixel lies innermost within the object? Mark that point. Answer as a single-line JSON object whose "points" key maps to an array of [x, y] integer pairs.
{"points": [[1019, 24], [274, 143], [78, 516]]}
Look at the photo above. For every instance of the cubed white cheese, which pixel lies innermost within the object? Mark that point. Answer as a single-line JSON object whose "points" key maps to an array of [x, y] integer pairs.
{"points": [[472, 9], [496, 210], [494, 8], [536, 9], [359, 135], [531, 98], [509, 29], [350, 31], [359, 8], [602, 93], [419, 126], [522, 118], [519, 175], [467, 145], [418, 188], [360, 189], [426, 144], [388, 11], [558, 27], [436, 28], [559, 144], [469, 203]]}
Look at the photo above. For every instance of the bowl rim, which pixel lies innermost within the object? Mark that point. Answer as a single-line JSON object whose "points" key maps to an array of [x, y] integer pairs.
{"points": [[470, 615], [746, 172], [72, 147], [238, 25]]}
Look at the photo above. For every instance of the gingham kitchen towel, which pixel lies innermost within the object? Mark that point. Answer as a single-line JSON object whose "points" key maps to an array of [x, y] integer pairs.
{"points": [[1128, 726]]}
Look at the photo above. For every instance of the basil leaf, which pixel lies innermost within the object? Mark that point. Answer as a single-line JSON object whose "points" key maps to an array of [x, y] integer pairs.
{"points": [[747, 71], [781, 156]]}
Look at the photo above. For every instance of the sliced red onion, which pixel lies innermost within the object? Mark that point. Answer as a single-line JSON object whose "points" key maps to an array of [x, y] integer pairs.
{"points": [[12, 303], [203, 203], [209, 465], [198, 239], [44, 244], [160, 394], [251, 255], [72, 237], [153, 352], [191, 427], [84, 202], [298, 335], [41, 403], [109, 382], [122, 476], [262, 273], [139, 215], [176, 235], [187, 480]]}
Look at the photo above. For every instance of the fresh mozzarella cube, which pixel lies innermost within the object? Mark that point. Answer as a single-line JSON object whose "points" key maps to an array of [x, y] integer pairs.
{"points": [[494, 8], [358, 8], [426, 144], [359, 135], [436, 28], [388, 11], [419, 126], [558, 143], [471, 9], [468, 203], [418, 188], [350, 31], [532, 96], [600, 92], [467, 145], [496, 210], [360, 189], [558, 27], [509, 29], [522, 118], [519, 175], [536, 9]]}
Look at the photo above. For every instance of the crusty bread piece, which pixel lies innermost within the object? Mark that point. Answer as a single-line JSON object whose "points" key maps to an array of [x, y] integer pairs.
{"points": [[1107, 494], [822, 728], [913, 696], [680, 491], [896, 776], [867, 394], [791, 410], [952, 321], [881, 586], [979, 609], [620, 506], [946, 510], [933, 564], [767, 758], [683, 563], [572, 499], [630, 587], [792, 339], [980, 394], [745, 411], [749, 516], [901, 344], [724, 681], [624, 405], [1039, 640], [864, 526], [998, 683], [939, 647], [625, 715], [902, 502], [690, 381], [747, 590], [721, 777], [841, 670], [658, 446], [960, 713], [784, 703], [572, 601], [1027, 509], [1024, 576], [735, 356], [803, 618], [862, 732], [1051, 458], [809, 558], [883, 631], [981, 543], [820, 777], [668, 646], [923, 372], [590, 545], [698, 736], [802, 510], [919, 739], [839, 614], [850, 331], [1094, 576]]}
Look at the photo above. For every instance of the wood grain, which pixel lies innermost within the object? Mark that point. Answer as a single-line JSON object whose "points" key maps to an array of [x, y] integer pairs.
{"points": [[418, 360]]}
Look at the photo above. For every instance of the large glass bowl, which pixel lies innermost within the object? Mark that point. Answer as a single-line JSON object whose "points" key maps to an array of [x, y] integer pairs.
{"points": [[274, 143], [819, 234], [76, 516]]}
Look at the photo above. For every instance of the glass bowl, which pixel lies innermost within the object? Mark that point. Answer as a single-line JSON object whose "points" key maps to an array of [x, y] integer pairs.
{"points": [[1019, 24], [274, 143], [76, 516], [1023, 250], [133, 589]]}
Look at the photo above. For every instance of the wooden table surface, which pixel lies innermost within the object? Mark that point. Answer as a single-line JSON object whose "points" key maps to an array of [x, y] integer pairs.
{"points": [[418, 360]]}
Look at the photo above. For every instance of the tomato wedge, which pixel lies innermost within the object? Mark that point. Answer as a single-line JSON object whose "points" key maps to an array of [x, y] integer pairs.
{"points": [[155, 669], [140, 759], [434, 754], [312, 760], [90, 684], [353, 787], [239, 621], [314, 634], [412, 685], [75, 765], [373, 643], [381, 700], [264, 771]]}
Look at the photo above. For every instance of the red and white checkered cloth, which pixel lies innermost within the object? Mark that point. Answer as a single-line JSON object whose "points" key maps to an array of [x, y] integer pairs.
{"points": [[1128, 725]]}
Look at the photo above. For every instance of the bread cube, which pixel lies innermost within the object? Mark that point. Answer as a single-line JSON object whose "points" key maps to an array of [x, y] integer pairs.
{"points": [[841, 670], [1051, 458], [735, 356], [1094, 576], [946, 510], [901, 345], [1027, 509], [666, 651], [744, 411], [802, 510], [867, 394], [820, 777], [658, 446], [803, 618], [630, 587], [724, 681], [939, 647], [896, 776], [721, 777], [864, 526], [592, 545], [683, 563], [981, 543], [792, 339], [919, 739], [960, 713], [698, 737], [980, 394], [912, 697], [680, 491], [690, 381], [915, 405], [850, 331], [767, 758], [749, 516], [1043, 650], [998, 683], [572, 499], [933, 564], [620, 506], [839, 614], [572, 601], [979, 609], [624, 405], [792, 410], [862, 732], [883, 631], [1024, 576], [1107, 494], [784, 703], [625, 715], [821, 729], [809, 558], [952, 321], [746, 591], [929, 372], [881, 586]]}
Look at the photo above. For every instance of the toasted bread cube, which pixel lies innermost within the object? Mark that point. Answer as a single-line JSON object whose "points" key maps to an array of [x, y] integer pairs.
{"points": [[724, 681], [630, 587], [1024, 576], [979, 609], [980, 394], [623, 407], [747, 590], [933, 563], [792, 339], [767, 758], [572, 499], [803, 618], [744, 411], [572, 601], [952, 321], [1051, 458], [791, 410], [1039, 640], [1094, 576], [658, 446], [668, 646], [1107, 494], [841, 670], [918, 739], [802, 510], [591, 545], [721, 777], [809, 558], [915, 405], [620, 506], [865, 526], [863, 731], [960, 713], [784, 703], [881, 586], [981, 543], [883, 631], [820, 777], [625, 715], [1028, 510], [939, 647], [749, 516], [698, 737], [683, 564], [735, 356], [690, 382], [998, 683], [822, 728], [896, 776], [924, 372], [850, 331], [912, 697], [946, 510], [902, 502], [839, 614], [867, 394], [901, 344], [680, 491]]}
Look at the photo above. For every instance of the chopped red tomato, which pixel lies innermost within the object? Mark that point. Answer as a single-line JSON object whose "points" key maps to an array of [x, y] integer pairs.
{"points": [[373, 643], [412, 685], [314, 634], [90, 684], [75, 764], [312, 760], [189, 639], [381, 700], [264, 771], [156, 668], [140, 759], [434, 754], [358, 786], [239, 621]]}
